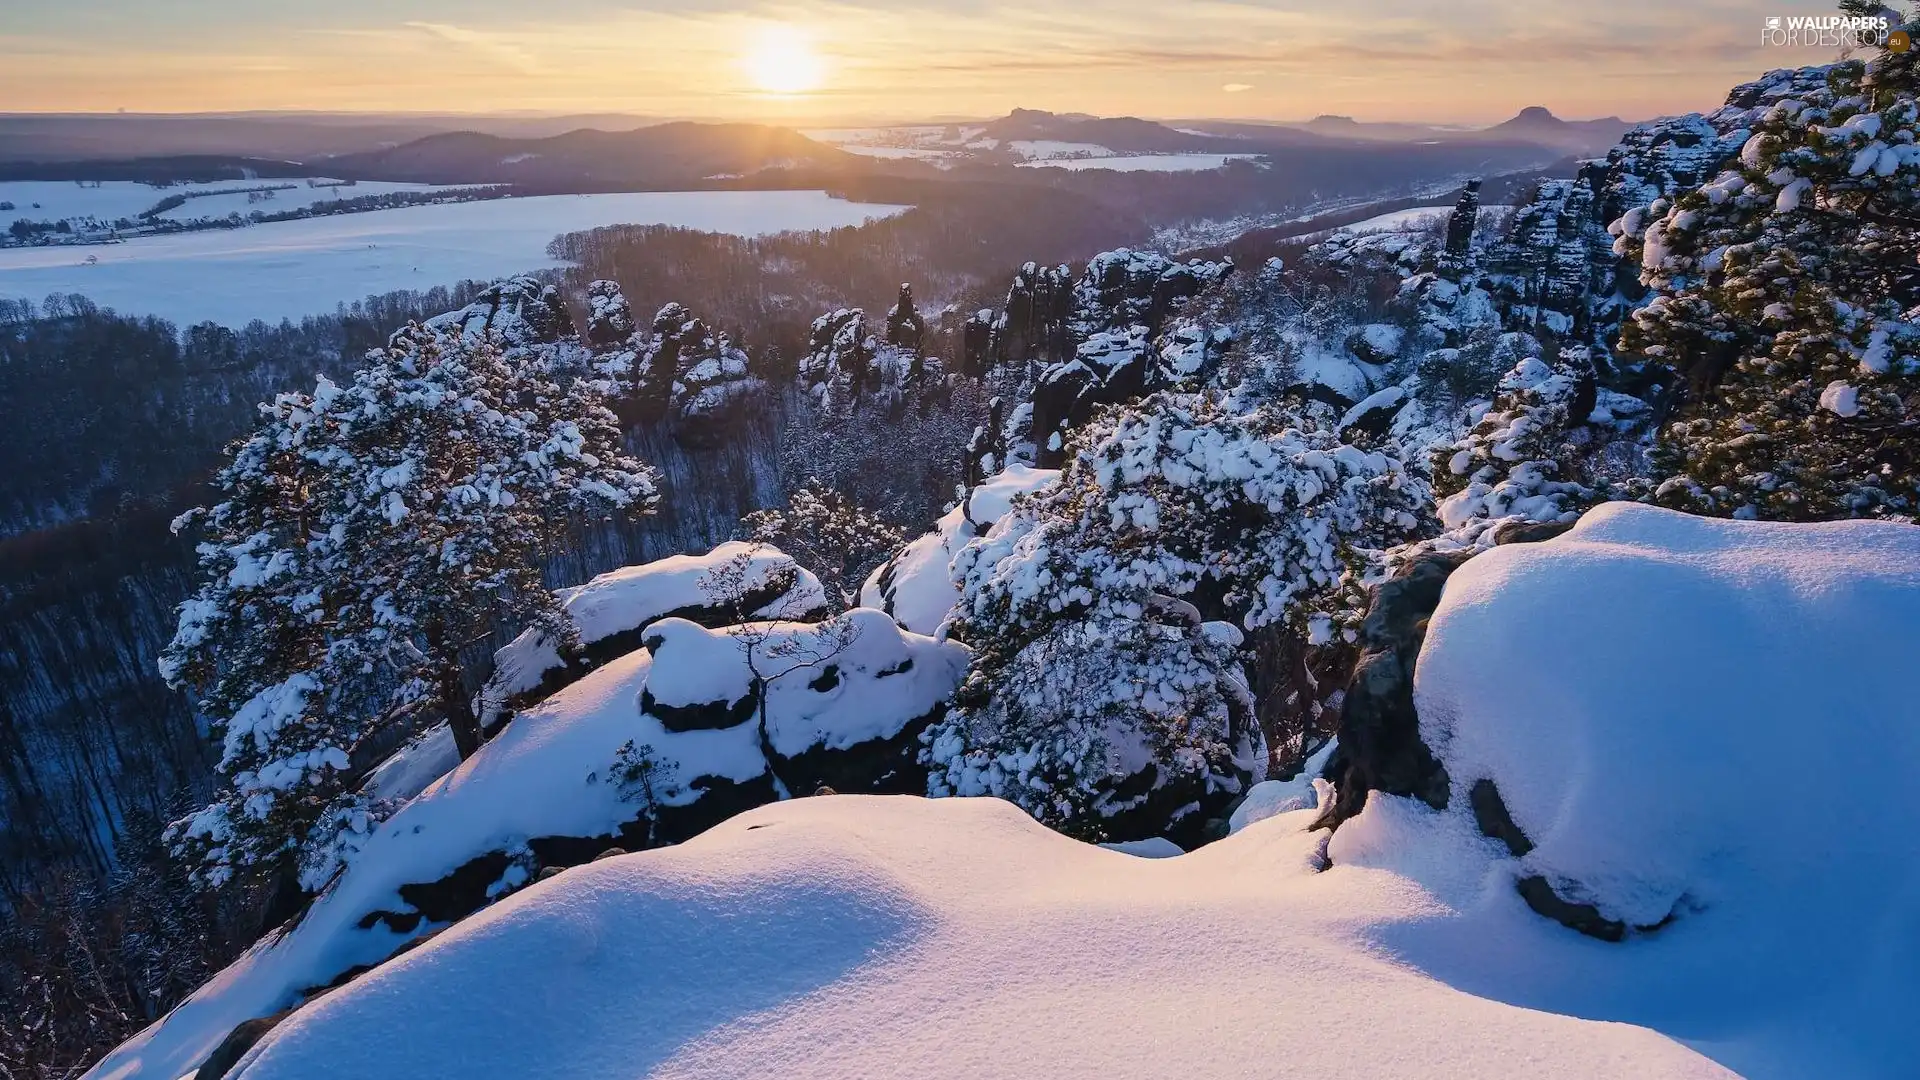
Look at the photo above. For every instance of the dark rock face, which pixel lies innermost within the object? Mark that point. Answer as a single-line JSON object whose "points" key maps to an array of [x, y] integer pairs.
{"points": [[906, 328], [1033, 325], [235, 1046], [1108, 369], [699, 716], [1490, 812], [460, 893], [1539, 894], [609, 318], [884, 766], [1380, 747]]}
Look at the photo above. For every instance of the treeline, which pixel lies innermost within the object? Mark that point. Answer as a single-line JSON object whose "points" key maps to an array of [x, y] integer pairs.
{"points": [[958, 247], [119, 422], [126, 412]]}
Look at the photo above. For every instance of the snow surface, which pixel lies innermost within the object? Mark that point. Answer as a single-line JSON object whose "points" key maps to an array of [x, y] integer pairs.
{"points": [[919, 589], [411, 768], [859, 937], [1141, 162], [309, 267], [1638, 689], [59, 200]]}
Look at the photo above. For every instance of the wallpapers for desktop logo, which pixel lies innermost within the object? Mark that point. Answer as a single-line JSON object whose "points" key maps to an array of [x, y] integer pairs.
{"points": [[1847, 32]]}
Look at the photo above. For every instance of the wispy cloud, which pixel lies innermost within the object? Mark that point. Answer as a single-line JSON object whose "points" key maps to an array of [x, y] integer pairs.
{"points": [[1466, 60], [503, 49]]}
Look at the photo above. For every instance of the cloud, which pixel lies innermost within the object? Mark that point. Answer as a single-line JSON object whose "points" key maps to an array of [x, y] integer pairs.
{"points": [[496, 47], [1237, 87]]}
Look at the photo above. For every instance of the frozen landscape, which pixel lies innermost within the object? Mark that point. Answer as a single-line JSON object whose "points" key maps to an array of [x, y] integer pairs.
{"points": [[1158, 590], [1140, 162], [815, 938], [309, 267]]}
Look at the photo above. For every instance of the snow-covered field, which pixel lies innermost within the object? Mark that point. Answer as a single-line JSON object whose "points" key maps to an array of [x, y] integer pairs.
{"points": [[1143, 162], [52, 201], [309, 267]]}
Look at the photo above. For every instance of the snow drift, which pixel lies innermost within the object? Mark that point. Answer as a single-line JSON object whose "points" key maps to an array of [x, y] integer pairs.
{"points": [[1629, 685], [871, 937]]}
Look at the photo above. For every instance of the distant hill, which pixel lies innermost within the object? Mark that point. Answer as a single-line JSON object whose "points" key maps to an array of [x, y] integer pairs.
{"points": [[1131, 135], [1536, 124], [661, 156], [45, 137]]}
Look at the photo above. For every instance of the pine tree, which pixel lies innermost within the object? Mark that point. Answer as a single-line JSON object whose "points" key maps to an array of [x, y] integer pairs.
{"points": [[829, 534], [1517, 461], [1785, 290], [1106, 614], [368, 534]]}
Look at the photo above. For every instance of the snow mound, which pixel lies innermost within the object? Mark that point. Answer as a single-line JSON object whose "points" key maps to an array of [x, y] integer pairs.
{"points": [[914, 586], [1631, 685], [817, 939], [611, 610], [1271, 798], [862, 680]]}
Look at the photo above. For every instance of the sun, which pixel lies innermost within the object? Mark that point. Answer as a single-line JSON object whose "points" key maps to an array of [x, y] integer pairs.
{"points": [[782, 61]]}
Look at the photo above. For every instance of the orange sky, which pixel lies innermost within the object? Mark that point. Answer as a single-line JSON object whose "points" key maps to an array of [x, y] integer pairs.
{"points": [[1466, 61]]}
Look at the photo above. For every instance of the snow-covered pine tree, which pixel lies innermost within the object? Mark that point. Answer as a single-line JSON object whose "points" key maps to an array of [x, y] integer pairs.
{"points": [[1785, 293], [1168, 514], [368, 534], [1517, 461]]}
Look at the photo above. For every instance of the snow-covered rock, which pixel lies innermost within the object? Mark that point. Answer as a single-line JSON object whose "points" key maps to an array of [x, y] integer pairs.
{"points": [[1271, 798], [846, 700], [1158, 847], [915, 586], [520, 311], [1632, 688], [610, 611]]}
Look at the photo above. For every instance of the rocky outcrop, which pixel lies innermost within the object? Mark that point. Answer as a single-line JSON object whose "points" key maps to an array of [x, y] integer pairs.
{"points": [[611, 613], [518, 311], [1380, 746]]}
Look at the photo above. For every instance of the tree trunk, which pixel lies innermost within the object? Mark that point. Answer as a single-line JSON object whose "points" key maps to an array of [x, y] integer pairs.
{"points": [[459, 709]]}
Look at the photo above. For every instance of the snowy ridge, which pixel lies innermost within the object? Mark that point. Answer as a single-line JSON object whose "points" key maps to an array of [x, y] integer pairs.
{"points": [[558, 785], [816, 938]]}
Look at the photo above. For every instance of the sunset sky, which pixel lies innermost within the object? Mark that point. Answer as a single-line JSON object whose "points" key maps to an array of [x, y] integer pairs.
{"points": [[1462, 61]]}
